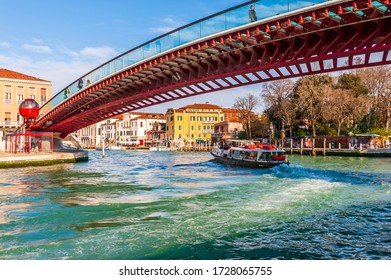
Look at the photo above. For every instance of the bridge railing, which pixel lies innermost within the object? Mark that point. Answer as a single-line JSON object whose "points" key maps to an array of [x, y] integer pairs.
{"points": [[222, 21]]}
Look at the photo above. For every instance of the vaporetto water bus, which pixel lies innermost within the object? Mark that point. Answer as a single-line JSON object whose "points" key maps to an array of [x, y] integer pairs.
{"points": [[249, 154]]}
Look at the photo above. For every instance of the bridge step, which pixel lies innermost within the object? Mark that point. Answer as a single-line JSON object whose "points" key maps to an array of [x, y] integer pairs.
{"points": [[380, 7], [358, 13]]}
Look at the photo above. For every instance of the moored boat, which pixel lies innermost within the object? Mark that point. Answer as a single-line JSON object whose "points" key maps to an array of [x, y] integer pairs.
{"points": [[241, 153]]}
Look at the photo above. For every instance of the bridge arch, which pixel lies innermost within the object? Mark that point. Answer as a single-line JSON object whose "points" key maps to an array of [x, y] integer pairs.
{"points": [[327, 37]]}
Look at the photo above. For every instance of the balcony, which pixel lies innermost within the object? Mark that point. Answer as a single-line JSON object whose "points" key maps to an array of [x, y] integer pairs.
{"points": [[226, 135], [9, 123]]}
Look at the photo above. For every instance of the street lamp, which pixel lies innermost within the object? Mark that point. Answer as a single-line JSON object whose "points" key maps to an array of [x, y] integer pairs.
{"points": [[29, 110]]}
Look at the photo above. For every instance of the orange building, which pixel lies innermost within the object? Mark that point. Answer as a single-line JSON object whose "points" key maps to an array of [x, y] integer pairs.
{"points": [[229, 128]]}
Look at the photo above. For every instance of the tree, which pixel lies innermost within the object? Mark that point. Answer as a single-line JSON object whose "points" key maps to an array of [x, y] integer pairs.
{"points": [[341, 107], [246, 106], [352, 82], [378, 82], [278, 96], [308, 93]]}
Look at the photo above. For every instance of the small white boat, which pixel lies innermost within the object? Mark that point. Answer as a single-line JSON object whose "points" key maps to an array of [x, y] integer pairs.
{"points": [[160, 148], [165, 146], [115, 148], [249, 154]]}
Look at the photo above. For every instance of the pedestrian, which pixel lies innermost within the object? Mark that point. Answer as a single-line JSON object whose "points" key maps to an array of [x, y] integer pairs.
{"points": [[80, 84], [252, 14], [66, 93]]}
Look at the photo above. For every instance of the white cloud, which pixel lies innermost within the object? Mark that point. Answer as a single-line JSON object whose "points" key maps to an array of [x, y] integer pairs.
{"points": [[170, 20], [37, 48], [4, 44], [170, 24], [62, 67], [100, 53], [161, 29], [37, 41]]}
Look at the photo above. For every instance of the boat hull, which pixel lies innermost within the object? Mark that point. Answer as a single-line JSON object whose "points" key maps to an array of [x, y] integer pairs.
{"points": [[245, 163]]}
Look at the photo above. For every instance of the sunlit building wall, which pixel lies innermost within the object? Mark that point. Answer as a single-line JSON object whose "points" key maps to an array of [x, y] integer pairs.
{"points": [[16, 87], [193, 123]]}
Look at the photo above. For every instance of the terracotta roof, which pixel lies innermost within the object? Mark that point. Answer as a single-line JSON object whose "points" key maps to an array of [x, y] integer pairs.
{"points": [[231, 110], [201, 106], [149, 115], [119, 117], [5, 73], [178, 110]]}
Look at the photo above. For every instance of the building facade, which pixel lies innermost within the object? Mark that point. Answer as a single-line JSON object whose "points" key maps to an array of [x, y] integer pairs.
{"points": [[226, 130], [127, 130], [193, 123], [157, 134], [93, 135], [229, 128], [16, 87], [196, 123], [88, 136], [140, 124]]}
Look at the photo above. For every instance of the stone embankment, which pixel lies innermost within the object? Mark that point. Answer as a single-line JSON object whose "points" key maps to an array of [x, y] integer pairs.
{"points": [[10, 160]]}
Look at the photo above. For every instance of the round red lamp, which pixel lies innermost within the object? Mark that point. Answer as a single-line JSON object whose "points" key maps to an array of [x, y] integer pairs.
{"points": [[29, 110]]}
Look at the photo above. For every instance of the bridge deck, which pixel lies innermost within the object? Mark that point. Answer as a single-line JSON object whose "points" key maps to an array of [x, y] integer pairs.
{"points": [[332, 36]]}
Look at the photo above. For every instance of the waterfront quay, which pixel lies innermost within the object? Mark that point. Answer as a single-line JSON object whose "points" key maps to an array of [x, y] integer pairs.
{"points": [[9, 160], [340, 152]]}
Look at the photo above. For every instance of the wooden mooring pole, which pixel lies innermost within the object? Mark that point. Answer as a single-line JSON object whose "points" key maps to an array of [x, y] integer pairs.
{"points": [[103, 148], [324, 147]]}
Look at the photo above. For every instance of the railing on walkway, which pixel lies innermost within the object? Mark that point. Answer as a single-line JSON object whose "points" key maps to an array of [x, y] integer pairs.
{"points": [[29, 142], [222, 21]]}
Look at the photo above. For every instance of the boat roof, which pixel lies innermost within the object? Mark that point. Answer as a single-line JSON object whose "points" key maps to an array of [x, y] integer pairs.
{"points": [[258, 150], [242, 141]]}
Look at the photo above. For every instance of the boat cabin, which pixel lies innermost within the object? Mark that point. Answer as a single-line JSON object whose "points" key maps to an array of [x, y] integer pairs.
{"points": [[368, 141], [256, 154]]}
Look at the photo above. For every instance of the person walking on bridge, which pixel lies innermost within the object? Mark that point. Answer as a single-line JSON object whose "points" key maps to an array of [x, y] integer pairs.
{"points": [[252, 14]]}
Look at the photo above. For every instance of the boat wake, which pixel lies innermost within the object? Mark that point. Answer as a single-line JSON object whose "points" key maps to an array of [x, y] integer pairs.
{"points": [[338, 176]]}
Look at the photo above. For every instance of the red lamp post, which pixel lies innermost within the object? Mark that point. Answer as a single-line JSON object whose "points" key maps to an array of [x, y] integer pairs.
{"points": [[29, 110]]}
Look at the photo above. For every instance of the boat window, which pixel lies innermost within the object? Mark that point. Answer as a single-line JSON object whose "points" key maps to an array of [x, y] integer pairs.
{"points": [[236, 154]]}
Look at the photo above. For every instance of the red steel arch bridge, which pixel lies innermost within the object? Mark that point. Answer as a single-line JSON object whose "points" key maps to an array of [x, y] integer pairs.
{"points": [[226, 51]]}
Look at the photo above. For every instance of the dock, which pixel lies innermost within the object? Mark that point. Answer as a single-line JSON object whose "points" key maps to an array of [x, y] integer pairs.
{"points": [[340, 152], [11, 160]]}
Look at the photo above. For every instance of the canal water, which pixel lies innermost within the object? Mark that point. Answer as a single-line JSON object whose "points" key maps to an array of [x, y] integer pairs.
{"points": [[161, 205]]}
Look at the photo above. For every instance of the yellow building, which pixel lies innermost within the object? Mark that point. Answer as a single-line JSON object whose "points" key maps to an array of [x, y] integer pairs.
{"points": [[193, 123], [16, 87]]}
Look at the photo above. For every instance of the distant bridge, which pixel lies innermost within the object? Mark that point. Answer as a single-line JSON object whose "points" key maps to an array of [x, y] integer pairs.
{"points": [[226, 51]]}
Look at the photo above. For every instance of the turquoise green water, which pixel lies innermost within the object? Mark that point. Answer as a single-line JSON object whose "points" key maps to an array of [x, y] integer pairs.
{"points": [[158, 205]]}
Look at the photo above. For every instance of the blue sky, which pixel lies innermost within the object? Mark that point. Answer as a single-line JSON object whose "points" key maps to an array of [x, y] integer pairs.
{"points": [[61, 40]]}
